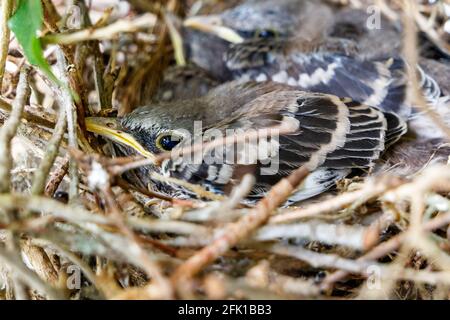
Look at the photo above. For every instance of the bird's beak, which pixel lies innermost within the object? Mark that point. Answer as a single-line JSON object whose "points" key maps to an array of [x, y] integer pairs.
{"points": [[213, 24], [110, 128]]}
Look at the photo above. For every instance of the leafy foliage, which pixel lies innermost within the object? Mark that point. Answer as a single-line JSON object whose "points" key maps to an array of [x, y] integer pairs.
{"points": [[26, 22]]}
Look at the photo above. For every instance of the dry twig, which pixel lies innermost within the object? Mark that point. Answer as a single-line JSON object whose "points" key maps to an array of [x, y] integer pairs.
{"points": [[6, 10], [235, 232]]}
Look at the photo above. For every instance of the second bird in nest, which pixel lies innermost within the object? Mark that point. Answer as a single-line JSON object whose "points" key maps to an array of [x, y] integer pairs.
{"points": [[331, 136], [306, 44]]}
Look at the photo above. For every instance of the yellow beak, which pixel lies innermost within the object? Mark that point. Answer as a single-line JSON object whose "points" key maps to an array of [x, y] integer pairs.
{"points": [[110, 128], [213, 25]]}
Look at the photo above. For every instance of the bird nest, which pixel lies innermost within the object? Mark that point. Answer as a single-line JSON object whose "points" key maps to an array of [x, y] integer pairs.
{"points": [[71, 227]]}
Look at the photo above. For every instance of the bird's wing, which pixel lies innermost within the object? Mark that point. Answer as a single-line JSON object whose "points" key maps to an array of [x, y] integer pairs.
{"points": [[381, 83], [332, 135], [376, 83]]}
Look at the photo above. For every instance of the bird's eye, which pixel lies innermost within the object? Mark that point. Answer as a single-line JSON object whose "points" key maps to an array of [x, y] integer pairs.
{"points": [[167, 141], [266, 34]]}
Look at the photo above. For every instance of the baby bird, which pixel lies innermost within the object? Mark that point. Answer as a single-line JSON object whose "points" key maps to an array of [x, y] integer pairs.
{"points": [[304, 44], [330, 136]]}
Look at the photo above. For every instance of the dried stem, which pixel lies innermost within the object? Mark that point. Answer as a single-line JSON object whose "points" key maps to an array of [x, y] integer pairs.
{"points": [[150, 267], [385, 248], [48, 206], [99, 180], [355, 237], [75, 259], [51, 153], [8, 131], [72, 78], [411, 55], [370, 190], [36, 119], [66, 102], [104, 33], [20, 269], [56, 177], [6, 11], [104, 96], [36, 255], [236, 232]]}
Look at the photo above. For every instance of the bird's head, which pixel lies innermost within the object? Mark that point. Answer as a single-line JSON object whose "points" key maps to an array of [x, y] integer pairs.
{"points": [[208, 38], [151, 129], [161, 126], [142, 133]]}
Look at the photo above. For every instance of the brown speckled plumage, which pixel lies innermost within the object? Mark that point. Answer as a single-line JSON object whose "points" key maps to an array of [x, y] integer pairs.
{"points": [[332, 137]]}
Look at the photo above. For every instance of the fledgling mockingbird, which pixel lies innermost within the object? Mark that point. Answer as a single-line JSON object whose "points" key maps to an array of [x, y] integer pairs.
{"points": [[304, 44], [329, 135]]}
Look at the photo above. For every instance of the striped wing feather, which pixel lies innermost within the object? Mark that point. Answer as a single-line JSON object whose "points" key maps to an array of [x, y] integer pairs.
{"points": [[380, 83], [333, 136]]}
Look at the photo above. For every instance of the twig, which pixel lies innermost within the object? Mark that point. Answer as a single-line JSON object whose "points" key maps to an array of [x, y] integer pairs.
{"points": [[197, 189], [48, 206], [236, 232], [370, 190], [20, 269], [223, 211], [9, 129], [425, 27], [40, 262], [261, 276], [73, 78], [152, 71], [161, 226], [386, 10], [56, 177], [75, 259], [415, 95], [51, 153], [66, 103], [36, 255], [104, 96], [7, 133], [99, 180], [108, 32], [127, 186], [6, 7], [150, 267], [175, 37], [362, 267], [434, 178], [355, 237], [79, 216], [385, 248], [323, 260], [6, 107]]}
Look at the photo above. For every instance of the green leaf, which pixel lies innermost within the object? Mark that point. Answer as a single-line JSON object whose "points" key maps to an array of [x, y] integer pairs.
{"points": [[26, 22]]}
